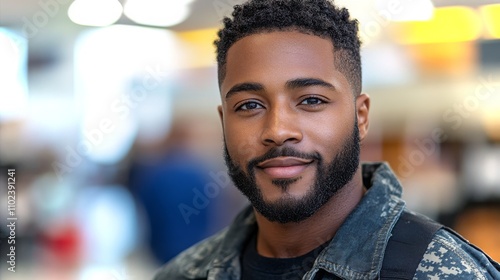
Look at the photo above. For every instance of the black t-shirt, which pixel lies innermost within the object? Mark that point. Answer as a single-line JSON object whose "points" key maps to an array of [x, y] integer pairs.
{"points": [[255, 266]]}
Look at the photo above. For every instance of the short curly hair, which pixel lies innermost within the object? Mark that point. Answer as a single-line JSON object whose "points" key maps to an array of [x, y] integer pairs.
{"points": [[315, 17]]}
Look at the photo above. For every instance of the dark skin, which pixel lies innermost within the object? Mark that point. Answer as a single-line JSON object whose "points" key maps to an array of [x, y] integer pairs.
{"points": [[283, 89]]}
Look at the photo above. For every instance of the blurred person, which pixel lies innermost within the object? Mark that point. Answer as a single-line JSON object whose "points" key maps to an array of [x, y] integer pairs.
{"points": [[293, 116], [164, 178]]}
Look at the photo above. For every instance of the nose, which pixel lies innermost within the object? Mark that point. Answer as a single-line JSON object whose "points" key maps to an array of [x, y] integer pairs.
{"points": [[281, 126]]}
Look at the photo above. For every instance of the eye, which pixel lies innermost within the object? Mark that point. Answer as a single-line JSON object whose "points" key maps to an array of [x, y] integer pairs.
{"points": [[249, 106], [312, 101]]}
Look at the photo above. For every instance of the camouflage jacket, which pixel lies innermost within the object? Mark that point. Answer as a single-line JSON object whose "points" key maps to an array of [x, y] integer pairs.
{"points": [[355, 252]]}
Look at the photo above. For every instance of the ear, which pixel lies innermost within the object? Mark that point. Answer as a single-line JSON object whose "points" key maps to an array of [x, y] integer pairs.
{"points": [[221, 115], [363, 108]]}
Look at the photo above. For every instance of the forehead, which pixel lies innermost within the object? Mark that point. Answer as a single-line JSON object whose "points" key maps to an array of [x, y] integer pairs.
{"points": [[279, 56]]}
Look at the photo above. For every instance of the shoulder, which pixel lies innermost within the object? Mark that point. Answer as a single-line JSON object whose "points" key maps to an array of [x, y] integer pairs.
{"points": [[194, 262], [449, 256]]}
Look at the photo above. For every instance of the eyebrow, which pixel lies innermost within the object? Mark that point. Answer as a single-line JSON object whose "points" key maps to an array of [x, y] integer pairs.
{"points": [[244, 87], [307, 82], [291, 84]]}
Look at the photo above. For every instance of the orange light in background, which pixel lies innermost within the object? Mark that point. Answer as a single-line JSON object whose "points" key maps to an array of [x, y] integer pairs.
{"points": [[481, 227], [200, 47], [491, 114], [491, 17], [456, 59], [449, 24], [491, 123]]}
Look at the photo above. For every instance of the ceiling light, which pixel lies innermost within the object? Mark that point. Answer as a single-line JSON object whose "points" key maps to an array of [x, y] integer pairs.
{"points": [[95, 12], [157, 12], [405, 10]]}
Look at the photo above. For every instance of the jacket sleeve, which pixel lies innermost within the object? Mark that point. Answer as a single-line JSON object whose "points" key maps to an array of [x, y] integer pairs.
{"points": [[449, 256]]}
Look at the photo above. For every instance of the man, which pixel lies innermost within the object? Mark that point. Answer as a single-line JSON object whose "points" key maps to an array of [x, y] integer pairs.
{"points": [[293, 116]]}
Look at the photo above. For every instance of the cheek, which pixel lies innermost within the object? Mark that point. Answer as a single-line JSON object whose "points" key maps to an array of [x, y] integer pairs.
{"points": [[329, 134], [241, 142]]}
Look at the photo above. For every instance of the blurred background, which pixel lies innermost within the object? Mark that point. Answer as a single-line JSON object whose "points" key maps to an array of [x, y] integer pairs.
{"points": [[108, 116]]}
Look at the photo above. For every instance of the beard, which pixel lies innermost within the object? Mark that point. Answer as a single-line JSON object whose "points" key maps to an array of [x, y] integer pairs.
{"points": [[330, 178]]}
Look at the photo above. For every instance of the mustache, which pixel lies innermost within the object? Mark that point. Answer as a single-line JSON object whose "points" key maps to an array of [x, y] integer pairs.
{"points": [[282, 152]]}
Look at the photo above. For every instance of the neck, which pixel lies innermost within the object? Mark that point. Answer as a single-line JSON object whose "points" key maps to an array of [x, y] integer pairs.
{"points": [[289, 240]]}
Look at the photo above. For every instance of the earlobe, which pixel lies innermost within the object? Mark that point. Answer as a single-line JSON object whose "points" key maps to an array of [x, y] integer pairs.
{"points": [[363, 108]]}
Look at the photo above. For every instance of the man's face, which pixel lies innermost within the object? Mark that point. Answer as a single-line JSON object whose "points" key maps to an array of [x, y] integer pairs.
{"points": [[290, 123]]}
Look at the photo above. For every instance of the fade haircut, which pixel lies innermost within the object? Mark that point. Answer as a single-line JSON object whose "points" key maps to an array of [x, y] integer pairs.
{"points": [[314, 17]]}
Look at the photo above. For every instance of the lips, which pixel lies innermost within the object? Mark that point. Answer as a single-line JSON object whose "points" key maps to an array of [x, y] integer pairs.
{"points": [[284, 167]]}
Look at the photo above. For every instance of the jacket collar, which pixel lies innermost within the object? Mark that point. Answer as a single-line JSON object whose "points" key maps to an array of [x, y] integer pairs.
{"points": [[357, 249]]}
